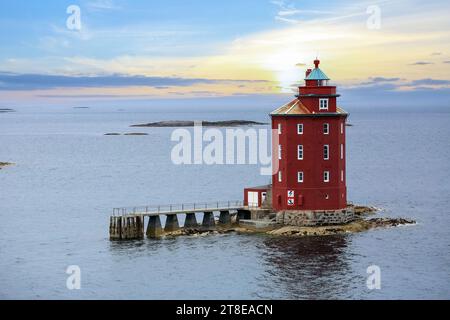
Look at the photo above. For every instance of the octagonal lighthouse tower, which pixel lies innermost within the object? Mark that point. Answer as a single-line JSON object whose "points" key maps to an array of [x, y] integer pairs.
{"points": [[311, 150]]}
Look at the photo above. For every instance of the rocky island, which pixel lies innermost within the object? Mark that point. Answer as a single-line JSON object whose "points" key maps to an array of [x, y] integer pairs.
{"points": [[357, 226], [184, 123], [361, 224], [6, 110], [126, 134], [4, 164]]}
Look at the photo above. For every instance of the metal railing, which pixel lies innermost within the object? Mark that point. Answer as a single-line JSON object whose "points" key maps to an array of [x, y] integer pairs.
{"points": [[184, 207]]}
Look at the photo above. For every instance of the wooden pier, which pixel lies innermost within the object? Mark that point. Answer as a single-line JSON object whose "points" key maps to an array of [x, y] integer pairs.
{"points": [[129, 223]]}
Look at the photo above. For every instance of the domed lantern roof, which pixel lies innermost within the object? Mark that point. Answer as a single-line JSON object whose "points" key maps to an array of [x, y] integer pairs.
{"points": [[317, 74]]}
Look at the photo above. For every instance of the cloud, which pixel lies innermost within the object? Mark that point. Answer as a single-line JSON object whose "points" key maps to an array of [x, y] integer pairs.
{"points": [[288, 9], [286, 20], [381, 87], [377, 97], [291, 12], [12, 82], [101, 5], [430, 82], [288, 13], [90, 96], [420, 63], [372, 81], [382, 84], [383, 79]]}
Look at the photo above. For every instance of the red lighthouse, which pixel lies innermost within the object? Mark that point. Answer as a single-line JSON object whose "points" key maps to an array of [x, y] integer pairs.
{"points": [[311, 150]]}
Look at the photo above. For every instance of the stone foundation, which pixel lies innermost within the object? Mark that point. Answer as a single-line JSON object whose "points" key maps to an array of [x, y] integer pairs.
{"points": [[260, 214], [308, 218]]}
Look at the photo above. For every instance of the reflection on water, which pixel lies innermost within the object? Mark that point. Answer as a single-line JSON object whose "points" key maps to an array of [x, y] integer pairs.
{"points": [[310, 267], [285, 268]]}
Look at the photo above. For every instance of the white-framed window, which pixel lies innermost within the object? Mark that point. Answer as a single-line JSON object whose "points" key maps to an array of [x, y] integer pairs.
{"points": [[342, 151], [300, 176], [342, 175], [326, 128], [279, 151], [300, 128], [326, 152], [323, 104], [342, 128], [300, 152], [280, 176], [279, 128], [326, 176]]}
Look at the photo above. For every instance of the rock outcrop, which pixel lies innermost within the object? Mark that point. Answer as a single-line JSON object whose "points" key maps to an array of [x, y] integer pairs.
{"points": [[4, 164], [127, 134], [353, 227], [6, 110]]}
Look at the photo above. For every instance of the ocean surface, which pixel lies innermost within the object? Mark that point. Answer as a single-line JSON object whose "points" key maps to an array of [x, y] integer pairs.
{"points": [[56, 201]]}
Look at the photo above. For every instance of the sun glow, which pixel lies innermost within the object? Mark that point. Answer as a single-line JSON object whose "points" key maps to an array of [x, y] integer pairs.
{"points": [[287, 67]]}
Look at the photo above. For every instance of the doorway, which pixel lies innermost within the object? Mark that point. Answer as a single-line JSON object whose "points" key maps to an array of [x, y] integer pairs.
{"points": [[253, 199]]}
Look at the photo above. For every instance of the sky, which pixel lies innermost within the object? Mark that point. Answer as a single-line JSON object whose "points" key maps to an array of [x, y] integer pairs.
{"points": [[389, 51]]}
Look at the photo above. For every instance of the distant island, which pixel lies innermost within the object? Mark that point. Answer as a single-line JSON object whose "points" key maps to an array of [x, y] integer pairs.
{"points": [[5, 110], [127, 134], [4, 164], [183, 123]]}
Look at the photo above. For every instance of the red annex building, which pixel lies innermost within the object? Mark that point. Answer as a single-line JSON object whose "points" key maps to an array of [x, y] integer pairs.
{"points": [[311, 150]]}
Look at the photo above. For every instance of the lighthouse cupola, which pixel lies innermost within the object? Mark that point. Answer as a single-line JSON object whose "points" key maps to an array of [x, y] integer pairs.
{"points": [[317, 94], [316, 77]]}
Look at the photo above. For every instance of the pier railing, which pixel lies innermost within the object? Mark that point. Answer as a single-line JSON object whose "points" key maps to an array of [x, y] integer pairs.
{"points": [[184, 207]]}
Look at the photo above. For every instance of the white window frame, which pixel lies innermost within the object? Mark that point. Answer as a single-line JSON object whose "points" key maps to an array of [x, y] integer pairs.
{"points": [[326, 102], [280, 176], [342, 128], [300, 177], [300, 128], [279, 128], [327, 126], [300, 150], [326, 176], [280, 149], [326, 155], [342, 151], [342, 175]]}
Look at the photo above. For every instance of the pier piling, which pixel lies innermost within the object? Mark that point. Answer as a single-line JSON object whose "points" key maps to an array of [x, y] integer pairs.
{"points": [[115, 228], [154, 227], [208, 221], [140, 227], [132, 228], [171, 223], [191, 221], [225, 218], [243, 214], [123, 228]]}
